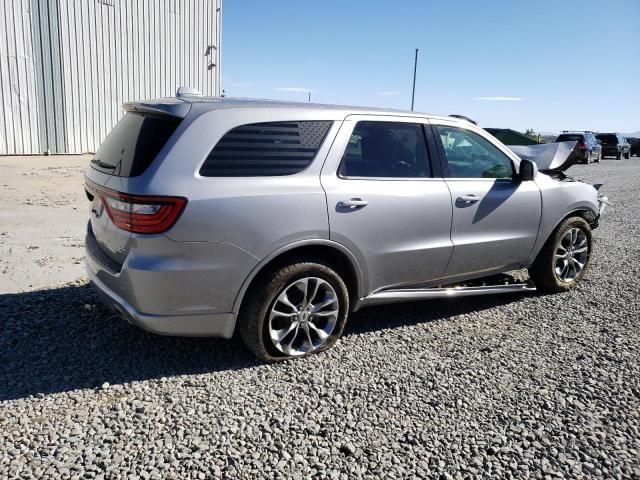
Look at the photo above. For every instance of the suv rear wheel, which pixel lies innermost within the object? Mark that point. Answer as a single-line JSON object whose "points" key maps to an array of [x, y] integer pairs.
{"points": [[294, 310], [564, 258]]}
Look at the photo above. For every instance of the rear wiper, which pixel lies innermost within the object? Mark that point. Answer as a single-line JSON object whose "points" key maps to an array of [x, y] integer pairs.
{"points": [[101, 164]]}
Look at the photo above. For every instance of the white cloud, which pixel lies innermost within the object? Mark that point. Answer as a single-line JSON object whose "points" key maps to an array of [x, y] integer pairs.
{"points": [[295, 89], [387, 92], [500, 99]]}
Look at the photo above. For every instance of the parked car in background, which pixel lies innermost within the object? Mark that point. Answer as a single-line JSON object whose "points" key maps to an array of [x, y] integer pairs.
{"points": [[277, 220], [588, 145], [635, 146], [614, 145]]}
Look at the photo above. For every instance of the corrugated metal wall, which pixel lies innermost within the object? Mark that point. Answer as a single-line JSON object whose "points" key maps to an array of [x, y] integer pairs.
{"points": [[91, 56], [19, 125]]}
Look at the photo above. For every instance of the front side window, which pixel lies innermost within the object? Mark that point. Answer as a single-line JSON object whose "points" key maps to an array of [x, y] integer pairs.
{"points": [[471, 156], [266, 149], [386, 150]]}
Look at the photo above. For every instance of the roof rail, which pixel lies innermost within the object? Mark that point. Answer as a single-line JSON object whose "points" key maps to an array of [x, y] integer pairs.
{"points": [[462, 117]]}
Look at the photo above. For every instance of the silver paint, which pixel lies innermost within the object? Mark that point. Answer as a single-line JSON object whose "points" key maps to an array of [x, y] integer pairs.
{"points": [[393, 232]]}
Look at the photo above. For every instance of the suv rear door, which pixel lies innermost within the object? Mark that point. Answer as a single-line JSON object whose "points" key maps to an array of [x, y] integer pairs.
{"points": [[495, 216], [387, 201]]}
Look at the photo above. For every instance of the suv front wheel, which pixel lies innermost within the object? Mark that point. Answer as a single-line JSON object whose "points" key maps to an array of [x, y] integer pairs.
{"points": [[294, 310], [564, 258]]}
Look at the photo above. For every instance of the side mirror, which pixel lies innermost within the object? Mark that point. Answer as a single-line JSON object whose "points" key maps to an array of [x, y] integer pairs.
{"points": [[528, 170]]}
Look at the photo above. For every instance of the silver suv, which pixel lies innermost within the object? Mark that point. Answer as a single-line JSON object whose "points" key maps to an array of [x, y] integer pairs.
{"points": [[279, 219]]}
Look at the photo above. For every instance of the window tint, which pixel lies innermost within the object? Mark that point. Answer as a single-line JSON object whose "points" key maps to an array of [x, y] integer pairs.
{"points": [[386, 149], [133, 144], [471, 156], [565, 137], [608, 138], [266, 149]]}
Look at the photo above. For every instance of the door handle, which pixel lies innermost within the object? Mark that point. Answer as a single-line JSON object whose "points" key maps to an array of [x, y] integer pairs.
{"points": [[353, 203], [468, 198]]}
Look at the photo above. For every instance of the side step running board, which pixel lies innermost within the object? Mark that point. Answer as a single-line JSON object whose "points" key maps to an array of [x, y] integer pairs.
{"points": [[406, 294]]}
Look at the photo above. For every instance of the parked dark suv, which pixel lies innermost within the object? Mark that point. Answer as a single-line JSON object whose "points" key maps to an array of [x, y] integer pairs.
{"points": [[614, 145], [635, 146], [588, 145]]}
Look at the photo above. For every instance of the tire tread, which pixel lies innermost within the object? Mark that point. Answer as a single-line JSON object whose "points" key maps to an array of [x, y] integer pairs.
{"points": [[259, 297], [541, 271]]}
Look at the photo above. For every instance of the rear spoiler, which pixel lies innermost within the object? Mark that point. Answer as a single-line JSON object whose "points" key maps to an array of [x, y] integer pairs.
{"points": [[558, 156], [172, 107]]}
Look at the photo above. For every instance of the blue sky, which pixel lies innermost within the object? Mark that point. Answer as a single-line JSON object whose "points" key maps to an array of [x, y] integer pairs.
{"points": [[553, 65]]}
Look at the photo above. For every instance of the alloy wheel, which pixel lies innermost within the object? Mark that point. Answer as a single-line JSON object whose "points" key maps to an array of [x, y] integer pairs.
{"points": [[303, 316], [571, 255]]}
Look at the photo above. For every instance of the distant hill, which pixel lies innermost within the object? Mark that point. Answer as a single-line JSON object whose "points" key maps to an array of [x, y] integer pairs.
{"points": [[632, 135]]}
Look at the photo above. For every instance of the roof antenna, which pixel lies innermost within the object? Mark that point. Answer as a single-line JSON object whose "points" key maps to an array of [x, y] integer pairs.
{"points": [[415, 68], [187, 92]]}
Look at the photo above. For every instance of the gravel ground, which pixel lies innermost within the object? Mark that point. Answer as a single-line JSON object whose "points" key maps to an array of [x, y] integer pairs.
{"points": [[503, 386]]}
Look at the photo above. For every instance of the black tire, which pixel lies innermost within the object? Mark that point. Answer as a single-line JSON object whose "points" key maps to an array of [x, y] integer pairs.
{"points": [[628, 156], [618, 156], [543, 271], [253, 321]]}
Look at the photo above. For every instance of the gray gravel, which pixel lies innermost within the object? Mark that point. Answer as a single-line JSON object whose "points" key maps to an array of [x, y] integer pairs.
{"points": [[532, 386]]}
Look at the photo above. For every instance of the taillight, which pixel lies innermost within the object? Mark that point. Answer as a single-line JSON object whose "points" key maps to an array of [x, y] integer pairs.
{"points": [[140, 213], [582, 146]]}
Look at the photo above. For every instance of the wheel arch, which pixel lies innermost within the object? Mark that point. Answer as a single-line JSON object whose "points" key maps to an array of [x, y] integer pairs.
{"points": [[332, 252], [583, 211]]}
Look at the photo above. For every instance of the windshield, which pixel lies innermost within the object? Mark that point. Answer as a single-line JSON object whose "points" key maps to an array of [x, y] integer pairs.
{"points": [[133, 143]]}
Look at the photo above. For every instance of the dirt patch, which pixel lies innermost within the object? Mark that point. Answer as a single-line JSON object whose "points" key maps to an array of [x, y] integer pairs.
{"points": [[43, 212]]}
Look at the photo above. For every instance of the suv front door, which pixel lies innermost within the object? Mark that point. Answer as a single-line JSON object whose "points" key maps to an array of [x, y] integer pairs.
{"points": [[386, 201], [495, 215]]}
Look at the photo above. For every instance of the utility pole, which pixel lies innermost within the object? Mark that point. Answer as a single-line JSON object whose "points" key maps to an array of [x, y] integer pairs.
{"points": [[415, 68]]}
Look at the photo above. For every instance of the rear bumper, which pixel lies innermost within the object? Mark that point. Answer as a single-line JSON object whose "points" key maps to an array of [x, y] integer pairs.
{"points": [[171, 288], [610, 151], [203, 325]]}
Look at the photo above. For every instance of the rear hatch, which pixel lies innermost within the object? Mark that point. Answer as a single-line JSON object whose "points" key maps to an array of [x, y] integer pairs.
{"points": [[127, 151], [608, 139]]}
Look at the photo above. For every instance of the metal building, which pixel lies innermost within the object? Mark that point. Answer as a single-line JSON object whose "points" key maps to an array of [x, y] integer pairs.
{"points": [[66, 66]]}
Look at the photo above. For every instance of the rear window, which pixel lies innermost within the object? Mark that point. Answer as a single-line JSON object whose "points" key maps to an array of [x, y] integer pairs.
{"points": [[607, 138], [133, 143], [566, 137], [266, 149]]}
